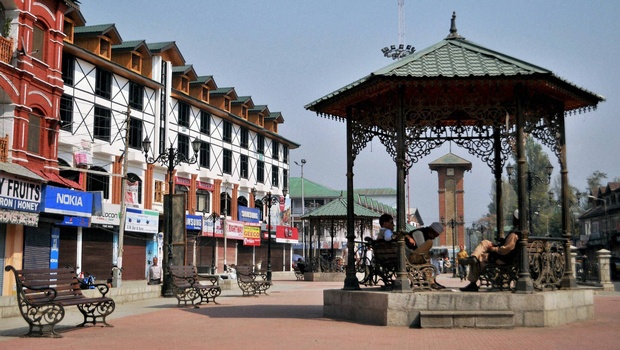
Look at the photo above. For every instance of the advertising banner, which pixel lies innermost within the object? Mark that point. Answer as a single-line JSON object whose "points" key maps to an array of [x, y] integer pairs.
{"points": [[66, 201], [251, 235], [286, 234], [249, 214], [193, 222], [19, 194], [109, 217], [141, 220]]}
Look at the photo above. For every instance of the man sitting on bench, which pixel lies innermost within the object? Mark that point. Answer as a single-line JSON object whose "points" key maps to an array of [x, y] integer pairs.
{"points": [[419, 242], [501, 254]]}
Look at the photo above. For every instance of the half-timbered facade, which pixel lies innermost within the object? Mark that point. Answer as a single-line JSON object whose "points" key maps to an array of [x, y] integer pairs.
{"points": [[148, 90]]}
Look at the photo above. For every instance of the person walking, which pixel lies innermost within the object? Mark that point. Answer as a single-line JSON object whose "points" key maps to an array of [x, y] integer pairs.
{"points": [[462, 254]]}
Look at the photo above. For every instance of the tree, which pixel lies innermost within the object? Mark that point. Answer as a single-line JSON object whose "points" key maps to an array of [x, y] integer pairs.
{"points": [[594, 181], [536, 162]]}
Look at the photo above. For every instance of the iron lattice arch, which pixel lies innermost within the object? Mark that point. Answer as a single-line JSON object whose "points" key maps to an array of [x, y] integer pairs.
{"points": [[473, 122]]}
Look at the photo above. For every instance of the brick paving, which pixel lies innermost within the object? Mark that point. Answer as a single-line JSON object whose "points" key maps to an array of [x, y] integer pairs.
{"points": [[291, 317]]}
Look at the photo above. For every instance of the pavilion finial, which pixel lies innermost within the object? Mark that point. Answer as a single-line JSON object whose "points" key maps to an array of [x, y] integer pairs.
{"points": [[453, 32]]}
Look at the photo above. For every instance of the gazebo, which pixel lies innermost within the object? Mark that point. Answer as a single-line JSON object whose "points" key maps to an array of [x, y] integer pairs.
{"points": [[475, 97]]}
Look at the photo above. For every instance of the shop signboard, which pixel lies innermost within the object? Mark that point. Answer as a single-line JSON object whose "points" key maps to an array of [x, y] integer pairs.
{"points": [[66, 201]]}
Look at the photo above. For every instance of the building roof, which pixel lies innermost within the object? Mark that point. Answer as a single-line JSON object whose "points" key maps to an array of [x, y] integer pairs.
{"points": [[450, 160], [311, 189], [99, 29], [456, 57], [375, 191], [338, 209]]}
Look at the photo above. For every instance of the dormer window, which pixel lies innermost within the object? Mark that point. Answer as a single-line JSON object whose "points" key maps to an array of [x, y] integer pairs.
{"points": [[205, 94], [244, 112], [185, 84], [136, 62], [227, 104], [104, 47]]}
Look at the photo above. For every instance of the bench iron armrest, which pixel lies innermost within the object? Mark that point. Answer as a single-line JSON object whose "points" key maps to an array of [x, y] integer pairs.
{"points": [[212, 279], [48, 292]]}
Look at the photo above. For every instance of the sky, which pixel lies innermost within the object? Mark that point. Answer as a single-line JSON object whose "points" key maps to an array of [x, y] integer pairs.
{"points": [[287, 53]]}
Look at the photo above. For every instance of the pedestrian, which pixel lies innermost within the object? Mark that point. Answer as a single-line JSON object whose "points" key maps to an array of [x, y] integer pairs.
{"points": [[155, 273], [462, 254]]}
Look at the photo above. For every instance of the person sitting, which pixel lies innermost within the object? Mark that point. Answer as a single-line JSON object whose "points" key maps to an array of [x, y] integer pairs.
{"points": [[301, 265], [418, 244], [501, 254], [386, 233]]}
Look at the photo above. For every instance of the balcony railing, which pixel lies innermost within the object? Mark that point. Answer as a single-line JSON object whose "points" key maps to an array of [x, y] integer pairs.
{"points": [[6, 49]]}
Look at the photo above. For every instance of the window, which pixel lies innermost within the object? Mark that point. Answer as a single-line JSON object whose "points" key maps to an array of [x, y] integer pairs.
{"points": [[285, 154], [160, 190], [34, 133], [203, 201], [66, 113], [243, 171], [98, 182], [103, 83], [135, 133], [227, 136], [68, 69], [244, 143], [136, 95], [102, 125], [38, 42], [104, 47], [227, 104], [136, 62], [227, 162], [285, 179], [205, 122], [205, 155], [274, 176], [260, 144], [184, 114], [260, 171], [183, 145], [134, 189], [275, 150]]}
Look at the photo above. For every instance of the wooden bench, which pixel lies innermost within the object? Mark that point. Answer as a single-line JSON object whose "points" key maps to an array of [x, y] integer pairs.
{"points": [[187, 286], [43, 294], [251, 282], [385, 264], [546, 264]]}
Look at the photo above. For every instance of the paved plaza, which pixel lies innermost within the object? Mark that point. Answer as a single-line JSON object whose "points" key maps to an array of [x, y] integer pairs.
{"points": [[291, 317]]}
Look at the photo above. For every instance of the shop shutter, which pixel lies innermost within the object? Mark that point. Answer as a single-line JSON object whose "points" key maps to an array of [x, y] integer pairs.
{"points": [[67, 254], [97, 253], [37, 245], [134, 256]]}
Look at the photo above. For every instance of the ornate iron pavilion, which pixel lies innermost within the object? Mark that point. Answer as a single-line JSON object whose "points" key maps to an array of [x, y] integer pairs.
{"points": [[459, 91]]}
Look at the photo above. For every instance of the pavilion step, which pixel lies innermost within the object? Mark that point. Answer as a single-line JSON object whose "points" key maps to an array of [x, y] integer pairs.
{"points": [[467, 319]]}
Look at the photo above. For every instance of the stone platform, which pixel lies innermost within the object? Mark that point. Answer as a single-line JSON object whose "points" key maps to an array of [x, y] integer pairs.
{"points": [[324, 276], [453, 309]]}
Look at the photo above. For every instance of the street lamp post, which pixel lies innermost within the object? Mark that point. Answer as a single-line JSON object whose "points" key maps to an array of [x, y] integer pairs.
{"points": [[269, 200], [214, 216], [303, 210], [530, 181], [170, 158]]}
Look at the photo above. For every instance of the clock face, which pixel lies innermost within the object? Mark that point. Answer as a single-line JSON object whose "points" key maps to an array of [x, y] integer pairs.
{"points": [[450, 172]]}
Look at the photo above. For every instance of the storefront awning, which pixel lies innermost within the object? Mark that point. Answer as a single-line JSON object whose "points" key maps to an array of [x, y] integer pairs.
{"points": [[57, 179], [21, 171]]}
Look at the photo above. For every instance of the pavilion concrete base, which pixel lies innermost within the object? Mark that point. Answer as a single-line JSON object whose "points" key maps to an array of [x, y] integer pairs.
{"points": [[457, 309], [325, 276]]}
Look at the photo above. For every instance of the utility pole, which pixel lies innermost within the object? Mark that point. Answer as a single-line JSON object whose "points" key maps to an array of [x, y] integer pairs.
{"points": [[117, 272]]}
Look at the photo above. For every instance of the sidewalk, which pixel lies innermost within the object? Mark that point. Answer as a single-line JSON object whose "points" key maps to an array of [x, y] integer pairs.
{"points": [[291, 316]]}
